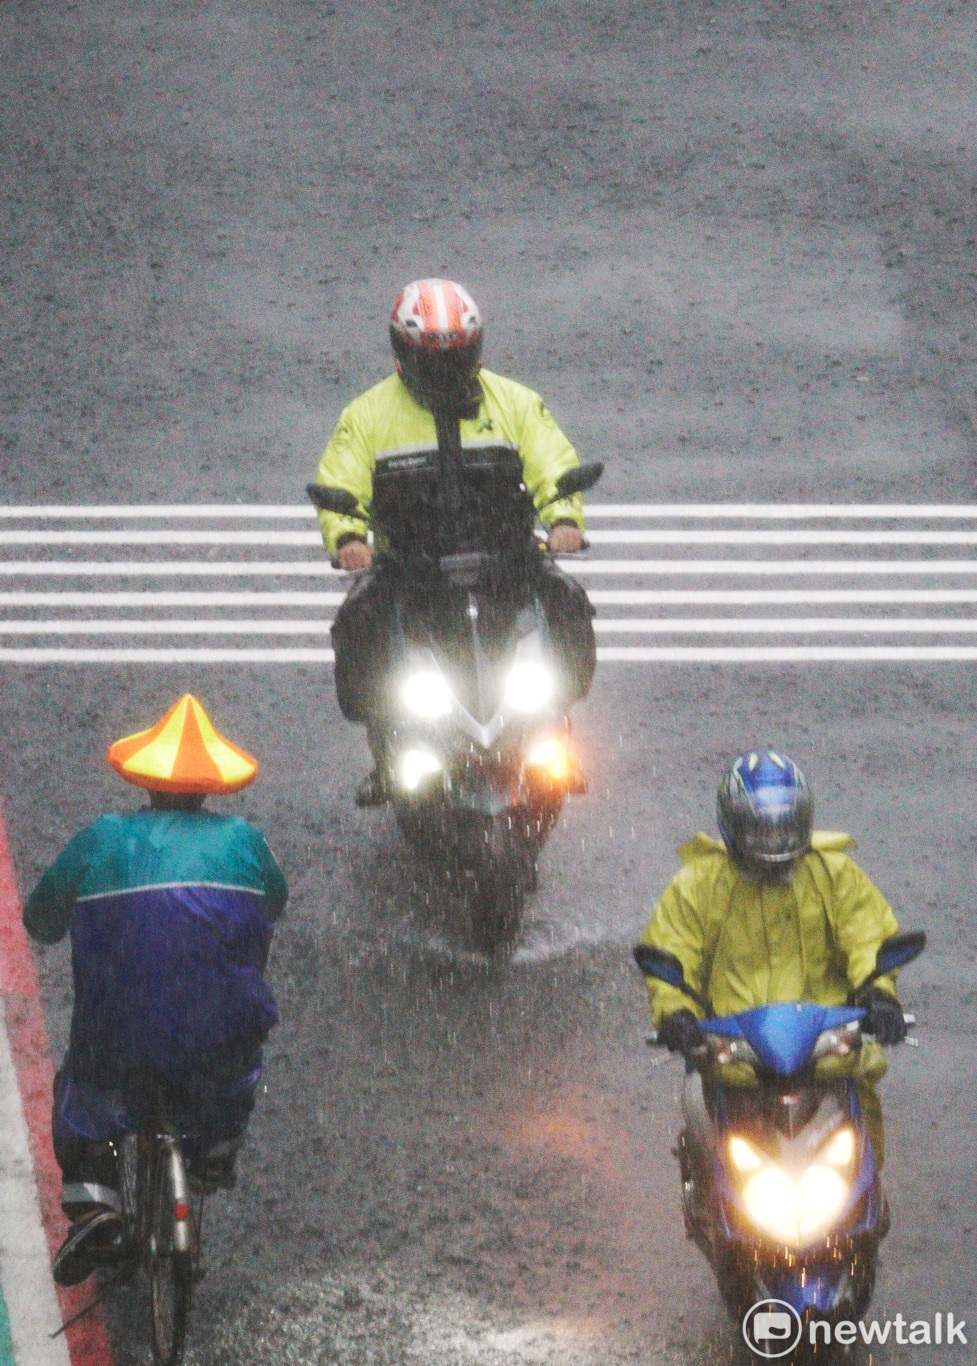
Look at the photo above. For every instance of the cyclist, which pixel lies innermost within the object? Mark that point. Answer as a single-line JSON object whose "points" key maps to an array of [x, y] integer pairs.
{"points": [[776, 912], [436, 335], [170, 910]]}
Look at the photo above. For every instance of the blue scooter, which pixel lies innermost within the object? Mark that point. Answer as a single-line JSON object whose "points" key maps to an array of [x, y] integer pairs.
{"points": [[781, 1192]]}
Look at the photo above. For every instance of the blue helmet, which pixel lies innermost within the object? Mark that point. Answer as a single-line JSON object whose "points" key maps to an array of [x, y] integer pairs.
{"points": [[765, 814]]}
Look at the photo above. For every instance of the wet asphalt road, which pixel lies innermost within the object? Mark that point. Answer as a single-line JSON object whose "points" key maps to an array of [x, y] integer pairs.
{"points": [[733, 246]]}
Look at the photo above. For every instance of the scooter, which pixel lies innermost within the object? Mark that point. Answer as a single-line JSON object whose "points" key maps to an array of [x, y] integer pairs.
{"points": [[785, 1202], [475, 731]]}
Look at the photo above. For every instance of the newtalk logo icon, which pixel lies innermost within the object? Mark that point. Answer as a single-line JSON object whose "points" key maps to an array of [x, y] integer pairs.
{"points": [[773, 1329]]}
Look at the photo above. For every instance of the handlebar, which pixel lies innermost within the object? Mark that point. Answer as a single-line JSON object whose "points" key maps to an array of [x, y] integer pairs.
{"points": [[721, 1050]]}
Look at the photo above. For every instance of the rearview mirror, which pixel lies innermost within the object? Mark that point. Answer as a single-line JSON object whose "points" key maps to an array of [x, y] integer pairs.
{"points": [[899, 950], [895, 952], [665, 967], [579, 479], [340, 501]]}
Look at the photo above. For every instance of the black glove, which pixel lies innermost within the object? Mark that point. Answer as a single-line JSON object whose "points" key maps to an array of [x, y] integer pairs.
{"points": [[680, 1032], [883, 1018]]}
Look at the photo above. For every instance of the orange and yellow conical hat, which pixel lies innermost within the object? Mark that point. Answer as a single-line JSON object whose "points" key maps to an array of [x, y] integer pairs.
{"points": [[183, 753]]}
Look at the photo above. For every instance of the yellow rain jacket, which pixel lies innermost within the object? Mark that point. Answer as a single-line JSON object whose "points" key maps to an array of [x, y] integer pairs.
{"points": [[386, 422], [744, 944]]}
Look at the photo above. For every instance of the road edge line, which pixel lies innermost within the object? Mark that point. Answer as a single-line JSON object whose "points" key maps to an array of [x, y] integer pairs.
{"points": [[88, 1341]]}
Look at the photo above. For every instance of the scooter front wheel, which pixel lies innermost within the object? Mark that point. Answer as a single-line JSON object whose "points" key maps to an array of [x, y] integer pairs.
{"points": [[501, 876]]}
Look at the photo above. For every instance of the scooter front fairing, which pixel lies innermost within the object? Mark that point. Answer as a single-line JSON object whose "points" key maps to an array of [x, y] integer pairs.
{"points": [[795, 1199]]}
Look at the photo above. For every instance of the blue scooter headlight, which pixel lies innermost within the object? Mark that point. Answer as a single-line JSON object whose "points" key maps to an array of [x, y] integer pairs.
{"points": [[795, 1209]]}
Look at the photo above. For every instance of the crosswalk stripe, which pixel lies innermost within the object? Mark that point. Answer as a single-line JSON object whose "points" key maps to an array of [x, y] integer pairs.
{"points": [[777, 597], [149, 655], [304, 511], [762, 579], [783, 626], [788, 654], [746, 597], [631, 568], [180, 598], [789, 512], [652, 536], [162, 511], [162, 537], [792, 536], [155, 569], [268, 626], [767, 568], [665, 654]]}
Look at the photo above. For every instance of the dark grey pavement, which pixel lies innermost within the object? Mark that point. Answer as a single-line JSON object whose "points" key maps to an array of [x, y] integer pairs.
{"points": [[734, 247]]}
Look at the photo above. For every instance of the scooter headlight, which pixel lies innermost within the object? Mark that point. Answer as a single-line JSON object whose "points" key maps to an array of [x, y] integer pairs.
{"points": [[795, 1210], [839, 1151], [426, 694], [529, 686], [822, 1192], [415, 766], [743, 1155]]}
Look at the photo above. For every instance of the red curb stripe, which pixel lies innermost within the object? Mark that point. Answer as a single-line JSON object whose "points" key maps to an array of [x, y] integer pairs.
{"points": [[88, 1340]]}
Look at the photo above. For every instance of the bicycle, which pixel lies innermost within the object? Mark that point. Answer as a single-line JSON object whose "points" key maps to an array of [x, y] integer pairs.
{"points": [[163, 1233]]}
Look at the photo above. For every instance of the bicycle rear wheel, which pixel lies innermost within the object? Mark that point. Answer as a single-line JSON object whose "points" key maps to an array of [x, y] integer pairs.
{"points": [[170, 1255]]}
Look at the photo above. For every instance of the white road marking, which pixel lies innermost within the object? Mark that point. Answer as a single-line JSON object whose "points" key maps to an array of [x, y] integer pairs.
{"points": [[664, 654], [893, 576], [789, 512], [45, 655], [163, 511], [758, 536], [268, 626], [788, 654], [779, 597], [178, 598], [184, 569], [677, 597], [652, 536], [191, 569], [164, 537], [604, 626], [25, 1267], [304, 511], [772, 568], [786, 626]]}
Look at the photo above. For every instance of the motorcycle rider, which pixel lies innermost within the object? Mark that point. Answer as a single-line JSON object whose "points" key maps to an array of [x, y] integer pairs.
{"points": [[776, 912], [170, 910], [436, 335]]}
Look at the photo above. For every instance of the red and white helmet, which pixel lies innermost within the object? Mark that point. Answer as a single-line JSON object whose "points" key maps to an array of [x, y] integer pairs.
{"points": [[436, 335]]}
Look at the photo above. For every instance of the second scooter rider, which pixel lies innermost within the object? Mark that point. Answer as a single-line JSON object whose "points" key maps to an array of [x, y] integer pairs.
{"points": [[436, 335], [774, 912]]}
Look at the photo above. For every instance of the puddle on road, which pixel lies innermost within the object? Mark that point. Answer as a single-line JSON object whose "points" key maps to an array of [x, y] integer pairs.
{"points": [[398, 1318], [453, 1330]]}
